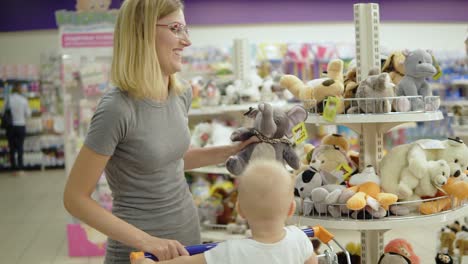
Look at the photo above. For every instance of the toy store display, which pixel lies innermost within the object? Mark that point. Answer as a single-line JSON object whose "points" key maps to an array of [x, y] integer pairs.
{"points": [[376, 197]]}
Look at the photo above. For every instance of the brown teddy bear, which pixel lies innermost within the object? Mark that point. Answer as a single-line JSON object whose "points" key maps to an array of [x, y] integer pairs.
{"points": [[316, 91], [351, 85], [395, 66]]}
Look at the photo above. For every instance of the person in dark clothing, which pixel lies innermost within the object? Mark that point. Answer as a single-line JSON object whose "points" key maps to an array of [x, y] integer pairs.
{"points": [[17, 133]]}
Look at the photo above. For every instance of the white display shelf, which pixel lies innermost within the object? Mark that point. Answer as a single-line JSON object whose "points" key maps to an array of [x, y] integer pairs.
{"points": [[377, 118], [211, 169], [387, 223], [380, 123]]}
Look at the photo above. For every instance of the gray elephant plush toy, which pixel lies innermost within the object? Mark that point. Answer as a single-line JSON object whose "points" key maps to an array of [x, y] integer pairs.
{"points": [[418, 66], [270, 126]]}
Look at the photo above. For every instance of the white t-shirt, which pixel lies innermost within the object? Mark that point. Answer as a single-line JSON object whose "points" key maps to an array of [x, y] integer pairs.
{"points": [[294, 248], [19, 109]]}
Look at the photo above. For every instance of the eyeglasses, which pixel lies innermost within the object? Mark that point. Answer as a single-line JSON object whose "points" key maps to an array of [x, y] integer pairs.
{"points": [[177, 28]]}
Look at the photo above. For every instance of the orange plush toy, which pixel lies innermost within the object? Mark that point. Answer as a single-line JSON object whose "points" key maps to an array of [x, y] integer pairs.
{"points": [[369, 193], [455, 188]]}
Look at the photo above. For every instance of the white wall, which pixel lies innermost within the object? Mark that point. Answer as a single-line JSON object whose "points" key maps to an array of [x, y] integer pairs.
{"points": [[25, 47]]}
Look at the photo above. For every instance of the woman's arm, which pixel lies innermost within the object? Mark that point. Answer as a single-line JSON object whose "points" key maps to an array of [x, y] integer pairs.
{"points": [[200, 157], [82, 180]]}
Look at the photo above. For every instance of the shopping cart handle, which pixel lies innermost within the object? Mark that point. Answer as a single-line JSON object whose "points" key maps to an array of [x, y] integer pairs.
{"points": [[317, 231]]}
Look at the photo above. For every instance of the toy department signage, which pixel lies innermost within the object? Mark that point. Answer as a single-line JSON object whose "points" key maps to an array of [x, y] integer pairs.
{"points": [[92, 29], [87, 40]]}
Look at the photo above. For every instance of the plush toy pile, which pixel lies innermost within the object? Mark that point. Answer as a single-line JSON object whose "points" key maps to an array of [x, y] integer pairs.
{"points": [[404, 74], [329, 183], [418, 170]]}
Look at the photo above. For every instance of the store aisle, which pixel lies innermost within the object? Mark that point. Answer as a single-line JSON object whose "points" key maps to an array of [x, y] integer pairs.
{"points": [[33, 220]]}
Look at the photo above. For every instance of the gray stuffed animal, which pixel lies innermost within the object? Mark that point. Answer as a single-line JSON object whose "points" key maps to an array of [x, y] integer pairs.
{"points": [[418, 66], [270, 126], [374, 86]]}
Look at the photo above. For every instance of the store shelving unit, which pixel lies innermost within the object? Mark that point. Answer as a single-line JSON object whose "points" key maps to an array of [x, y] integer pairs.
{"points": [[371, 128]]}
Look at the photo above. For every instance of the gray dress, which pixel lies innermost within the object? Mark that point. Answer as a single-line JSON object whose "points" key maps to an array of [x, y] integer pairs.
{"points": [[146, 141]]}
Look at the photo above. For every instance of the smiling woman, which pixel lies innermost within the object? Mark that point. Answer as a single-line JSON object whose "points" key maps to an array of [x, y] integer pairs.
{"points": [[139, 136], [146, 56]]}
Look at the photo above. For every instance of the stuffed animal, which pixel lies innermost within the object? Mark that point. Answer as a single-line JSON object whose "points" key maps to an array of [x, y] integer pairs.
{"points": [[418, 66], [351, 85], [446, 239], [318, 89], [402, 247], [374, 86], [368, 174], [211, 96], [332, 162], [237, 227], [416, 156], [414, 186], [456, 188], [336, 140], [270, 126], [461, 242], [365, 193], [369, 193], [443, 258], [393, 258], [315, 191], [395, 66], [201, 134]]}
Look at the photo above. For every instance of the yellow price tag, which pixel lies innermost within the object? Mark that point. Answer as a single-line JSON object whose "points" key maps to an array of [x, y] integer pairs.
{"points": [[439, 70], [346, 169], [331, 107], [196, 102], [299, 133]]}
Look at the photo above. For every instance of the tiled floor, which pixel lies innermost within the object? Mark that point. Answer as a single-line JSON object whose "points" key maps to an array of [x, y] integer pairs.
{"points": [[33, 220]]}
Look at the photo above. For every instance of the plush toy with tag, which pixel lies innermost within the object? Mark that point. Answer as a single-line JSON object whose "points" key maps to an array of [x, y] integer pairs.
{"points": [[418, 67], [415, 158], [273, 127], [318, 89]]}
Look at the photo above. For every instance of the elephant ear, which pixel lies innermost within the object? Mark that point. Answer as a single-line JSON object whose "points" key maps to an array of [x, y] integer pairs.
{"points": [[252, 113], [296, 115]]}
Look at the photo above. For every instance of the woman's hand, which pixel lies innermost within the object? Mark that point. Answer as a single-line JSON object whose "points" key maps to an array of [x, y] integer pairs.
{"points": [[164, 249], [241, 145]]}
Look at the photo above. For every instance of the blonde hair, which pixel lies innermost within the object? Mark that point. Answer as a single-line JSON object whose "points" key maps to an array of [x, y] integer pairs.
{"points": [[135, 64], [266, 191]]}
